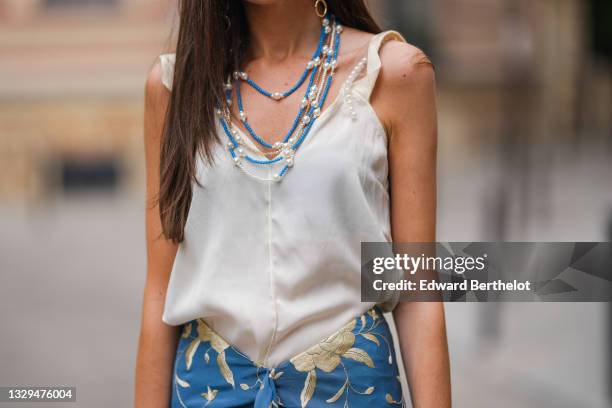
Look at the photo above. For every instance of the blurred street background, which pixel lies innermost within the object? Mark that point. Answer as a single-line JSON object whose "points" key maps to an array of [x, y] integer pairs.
{"points": [[525, 154]]}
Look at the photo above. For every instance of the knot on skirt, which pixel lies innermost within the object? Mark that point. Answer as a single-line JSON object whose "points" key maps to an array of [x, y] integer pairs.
{"points": [[267, 396]]}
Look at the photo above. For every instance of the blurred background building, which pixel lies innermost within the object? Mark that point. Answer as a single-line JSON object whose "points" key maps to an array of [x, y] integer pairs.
{"points": [[71, 82], [525, 154]]}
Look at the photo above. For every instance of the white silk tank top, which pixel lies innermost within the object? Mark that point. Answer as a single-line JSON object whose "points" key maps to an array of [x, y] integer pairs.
{"points": [[275, 267]]}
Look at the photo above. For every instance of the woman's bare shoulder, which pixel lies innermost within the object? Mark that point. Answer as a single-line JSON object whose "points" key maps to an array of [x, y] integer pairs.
{"points": [[404, 64], [156, 92], [400, 60], [161, 74], [406, 86], [160, 77]]}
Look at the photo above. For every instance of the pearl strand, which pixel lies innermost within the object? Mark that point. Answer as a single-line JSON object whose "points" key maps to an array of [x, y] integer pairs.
{"points": [[301, 116], [317, 94], [315, 60], [348, 85], [324, 83], [226, 115], [321, 76]]}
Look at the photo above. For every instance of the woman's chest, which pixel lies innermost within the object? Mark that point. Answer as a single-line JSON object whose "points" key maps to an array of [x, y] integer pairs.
{"points": [[339, 150]]}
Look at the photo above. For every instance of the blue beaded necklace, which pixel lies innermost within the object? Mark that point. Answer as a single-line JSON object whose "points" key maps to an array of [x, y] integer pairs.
{"points": [[313, 63], [311, 105], [294, 126]]}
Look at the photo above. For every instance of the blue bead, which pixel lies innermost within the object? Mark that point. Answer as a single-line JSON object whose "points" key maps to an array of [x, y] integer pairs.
{"points": [[248, 127], [328, 58], [300, 81]]}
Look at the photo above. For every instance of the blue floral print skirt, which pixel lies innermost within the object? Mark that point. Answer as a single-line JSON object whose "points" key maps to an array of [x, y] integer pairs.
{"points": [[355, 367]]}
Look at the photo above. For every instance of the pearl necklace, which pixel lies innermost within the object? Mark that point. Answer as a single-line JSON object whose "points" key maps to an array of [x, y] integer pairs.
{"points": [[327, 50], [310, 110], [245, 122], [314, 62]]}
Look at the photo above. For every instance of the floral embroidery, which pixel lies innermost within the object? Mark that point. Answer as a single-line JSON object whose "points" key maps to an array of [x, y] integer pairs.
{"points": [[389, 397], [205, 334], [210, 395], [327, 356], [217, 343], [361, 344], [178, 382]]}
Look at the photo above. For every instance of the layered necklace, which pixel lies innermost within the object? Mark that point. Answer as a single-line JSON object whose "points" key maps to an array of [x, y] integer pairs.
{"points": [[319, 73]]}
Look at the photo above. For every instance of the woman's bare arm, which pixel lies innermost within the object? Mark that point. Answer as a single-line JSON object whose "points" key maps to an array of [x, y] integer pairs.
{"points": [[157, 343], [406, 100]]}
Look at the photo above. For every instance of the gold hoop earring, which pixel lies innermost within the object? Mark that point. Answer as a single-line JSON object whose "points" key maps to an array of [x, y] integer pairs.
{"points": [[321, 8]]}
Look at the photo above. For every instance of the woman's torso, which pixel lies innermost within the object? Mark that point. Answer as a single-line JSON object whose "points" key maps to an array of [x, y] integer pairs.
{"points": [[275, 267]]}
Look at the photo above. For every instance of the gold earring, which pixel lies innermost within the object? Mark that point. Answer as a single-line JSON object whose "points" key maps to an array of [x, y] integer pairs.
{"points": [[321, 8]]}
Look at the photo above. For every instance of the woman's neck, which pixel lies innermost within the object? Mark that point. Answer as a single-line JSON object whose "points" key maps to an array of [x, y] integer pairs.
{"points": [[282, 30]]}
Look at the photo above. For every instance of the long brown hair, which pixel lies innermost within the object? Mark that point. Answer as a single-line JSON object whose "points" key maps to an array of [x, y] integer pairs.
{"points": [[212, 43]]}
